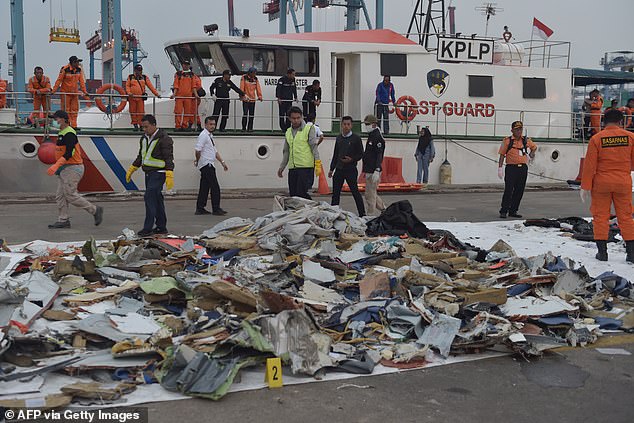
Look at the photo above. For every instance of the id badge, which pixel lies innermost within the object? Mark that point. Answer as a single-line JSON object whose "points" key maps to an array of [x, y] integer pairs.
{"points": [[521, 153]]}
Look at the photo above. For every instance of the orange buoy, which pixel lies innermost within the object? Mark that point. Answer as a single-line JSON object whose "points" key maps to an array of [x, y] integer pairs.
{"points": [[409, 108], [116, 88], [46, 152]]}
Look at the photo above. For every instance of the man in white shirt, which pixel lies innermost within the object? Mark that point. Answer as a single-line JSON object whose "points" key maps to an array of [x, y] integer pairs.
{"points": [[206, 156]]}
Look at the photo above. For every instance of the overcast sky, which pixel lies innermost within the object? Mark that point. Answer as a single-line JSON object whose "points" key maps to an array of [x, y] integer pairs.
{"points": [[158, 21]]}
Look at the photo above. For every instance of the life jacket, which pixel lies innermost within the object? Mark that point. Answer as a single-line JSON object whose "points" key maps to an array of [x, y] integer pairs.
{"points": [[146, 154], [300, 152]]}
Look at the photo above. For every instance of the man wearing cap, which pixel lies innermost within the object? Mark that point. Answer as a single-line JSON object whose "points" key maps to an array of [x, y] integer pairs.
{"points": [[156, 157], [607, 179], [135, 88], [286, 92], [372, 160], [219, 92], [184, 91], [595, 104], [69, 169], [40, 88], [252, 91], [70, 77], [516, 150]]}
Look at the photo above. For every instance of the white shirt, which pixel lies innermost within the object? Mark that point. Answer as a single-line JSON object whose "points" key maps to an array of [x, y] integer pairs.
{"points": [[318, 131], [207, 148]]}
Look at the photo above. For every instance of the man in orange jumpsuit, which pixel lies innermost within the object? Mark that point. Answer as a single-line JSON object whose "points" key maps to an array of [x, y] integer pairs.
{"points": [[595, 104], [3, 96], [70, 76], [606, 176], [40, 87], [135, 87], [183, 91]]}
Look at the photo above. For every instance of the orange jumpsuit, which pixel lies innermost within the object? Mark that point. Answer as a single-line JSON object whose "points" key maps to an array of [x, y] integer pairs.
{"points": [[198, 84], [135, 88], [184, 83], [606, 172], [68, 79], [595, 115], [3, 97], [41, 100]]}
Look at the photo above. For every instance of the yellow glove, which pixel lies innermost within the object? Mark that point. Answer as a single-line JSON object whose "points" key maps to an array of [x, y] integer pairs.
{"points": [[317, 167], [131, 170], [53, 169], [169, 179]]}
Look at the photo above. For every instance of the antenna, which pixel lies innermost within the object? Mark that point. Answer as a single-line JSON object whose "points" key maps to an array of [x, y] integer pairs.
{"points": [[488, 10]]}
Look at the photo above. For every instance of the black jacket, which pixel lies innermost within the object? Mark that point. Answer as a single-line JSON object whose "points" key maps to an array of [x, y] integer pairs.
{"points": [[221, 88], [286, 89], [374, 150], [164, 151], [351, 146], [312, 94]]}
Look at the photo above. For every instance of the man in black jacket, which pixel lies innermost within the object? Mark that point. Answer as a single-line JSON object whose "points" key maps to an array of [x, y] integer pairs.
{"points": [[311, 100], [286, 92], [219, 91], [348, 151], [372, 160], [156, 157]]}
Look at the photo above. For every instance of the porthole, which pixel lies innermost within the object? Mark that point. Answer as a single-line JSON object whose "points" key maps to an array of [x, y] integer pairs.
{"points": [[554, 156], [28, 149], [263, 151]]}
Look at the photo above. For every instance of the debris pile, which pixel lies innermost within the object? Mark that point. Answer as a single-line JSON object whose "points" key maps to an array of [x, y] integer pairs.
{"points": [[304, 283]]}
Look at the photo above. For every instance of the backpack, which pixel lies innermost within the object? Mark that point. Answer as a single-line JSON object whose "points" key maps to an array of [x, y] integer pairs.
{"points": [[524, 144]]}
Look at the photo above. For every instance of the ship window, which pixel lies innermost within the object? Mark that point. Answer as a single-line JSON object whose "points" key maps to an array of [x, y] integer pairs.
{"points": [[480, 86], [303, 61], [534, 87], [181, 52], [212, 58], [245, 57], [394, 64]]}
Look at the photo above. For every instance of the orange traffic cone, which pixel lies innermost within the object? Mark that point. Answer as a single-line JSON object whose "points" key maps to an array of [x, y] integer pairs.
{"points": [[323, 188]]}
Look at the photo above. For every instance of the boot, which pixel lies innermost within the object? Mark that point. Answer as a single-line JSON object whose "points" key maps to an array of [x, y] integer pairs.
{"points": [[629, 248], [602, 246]]}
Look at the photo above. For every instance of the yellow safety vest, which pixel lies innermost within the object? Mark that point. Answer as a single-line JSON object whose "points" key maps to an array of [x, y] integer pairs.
{"points": [[146, 153], [300, 152]]}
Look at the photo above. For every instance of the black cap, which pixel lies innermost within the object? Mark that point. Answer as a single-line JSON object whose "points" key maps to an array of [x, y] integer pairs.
{"points": [[72, 59], [138, 67], [59, 114]]}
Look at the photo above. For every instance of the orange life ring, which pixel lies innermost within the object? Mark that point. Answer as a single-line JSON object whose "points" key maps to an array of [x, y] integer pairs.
{"points": [[116, 88], [402, 103]]}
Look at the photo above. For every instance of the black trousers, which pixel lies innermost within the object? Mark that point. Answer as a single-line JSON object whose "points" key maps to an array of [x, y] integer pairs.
{"points": [[208, 182], [350, 176], [248, 112], [154, 205], [300, 181], [284, 107], [514, 183], [221, 106], [310, 110]]}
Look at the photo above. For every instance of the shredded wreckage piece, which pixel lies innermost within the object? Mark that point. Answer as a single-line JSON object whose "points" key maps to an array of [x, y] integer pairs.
{"points": [[305, 283]]}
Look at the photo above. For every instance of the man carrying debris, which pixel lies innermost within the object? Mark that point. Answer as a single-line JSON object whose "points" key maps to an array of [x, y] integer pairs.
{"points": [[156, 156], [516, 150], [343, 167], [206, 156], [372, 160], [606, 177], [69, 169], [300, 154]]}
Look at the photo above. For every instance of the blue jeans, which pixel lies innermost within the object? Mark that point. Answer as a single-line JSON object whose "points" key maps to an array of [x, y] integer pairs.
{"points": [[154, 206], [423, 168], [383, 115]]}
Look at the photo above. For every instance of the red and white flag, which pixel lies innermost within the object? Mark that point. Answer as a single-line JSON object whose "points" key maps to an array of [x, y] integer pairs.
{"points": [[541, 30]]}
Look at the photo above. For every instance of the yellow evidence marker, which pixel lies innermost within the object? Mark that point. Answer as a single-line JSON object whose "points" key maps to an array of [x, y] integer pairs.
{"points": [[273, 375]]}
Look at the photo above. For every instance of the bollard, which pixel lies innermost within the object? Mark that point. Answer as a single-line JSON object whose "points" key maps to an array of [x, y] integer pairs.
{"points": [[445, 173]]}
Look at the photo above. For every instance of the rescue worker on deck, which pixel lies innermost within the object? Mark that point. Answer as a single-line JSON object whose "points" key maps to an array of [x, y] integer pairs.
{"points": [[70, 77], [3, 96], [40, 87], [250, 85], [135, 87], [156, 157], [606, 177], [199, 92], [69, 169], [516, 150], [595, 104], [628, 111], [286, 93], [184, 92], [219, 91]]}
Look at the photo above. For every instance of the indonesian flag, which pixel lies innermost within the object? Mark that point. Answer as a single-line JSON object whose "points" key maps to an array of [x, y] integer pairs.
{"points": [[541, 30]]}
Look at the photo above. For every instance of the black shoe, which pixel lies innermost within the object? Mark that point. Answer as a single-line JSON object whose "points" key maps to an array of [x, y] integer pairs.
{"points": [[136, 127], [158, 231], [203, 211], [144, 233], [98, 216], [502, 215], [219, 212], [60, 225], [602, 255], [515, 215], [629, 248]]}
